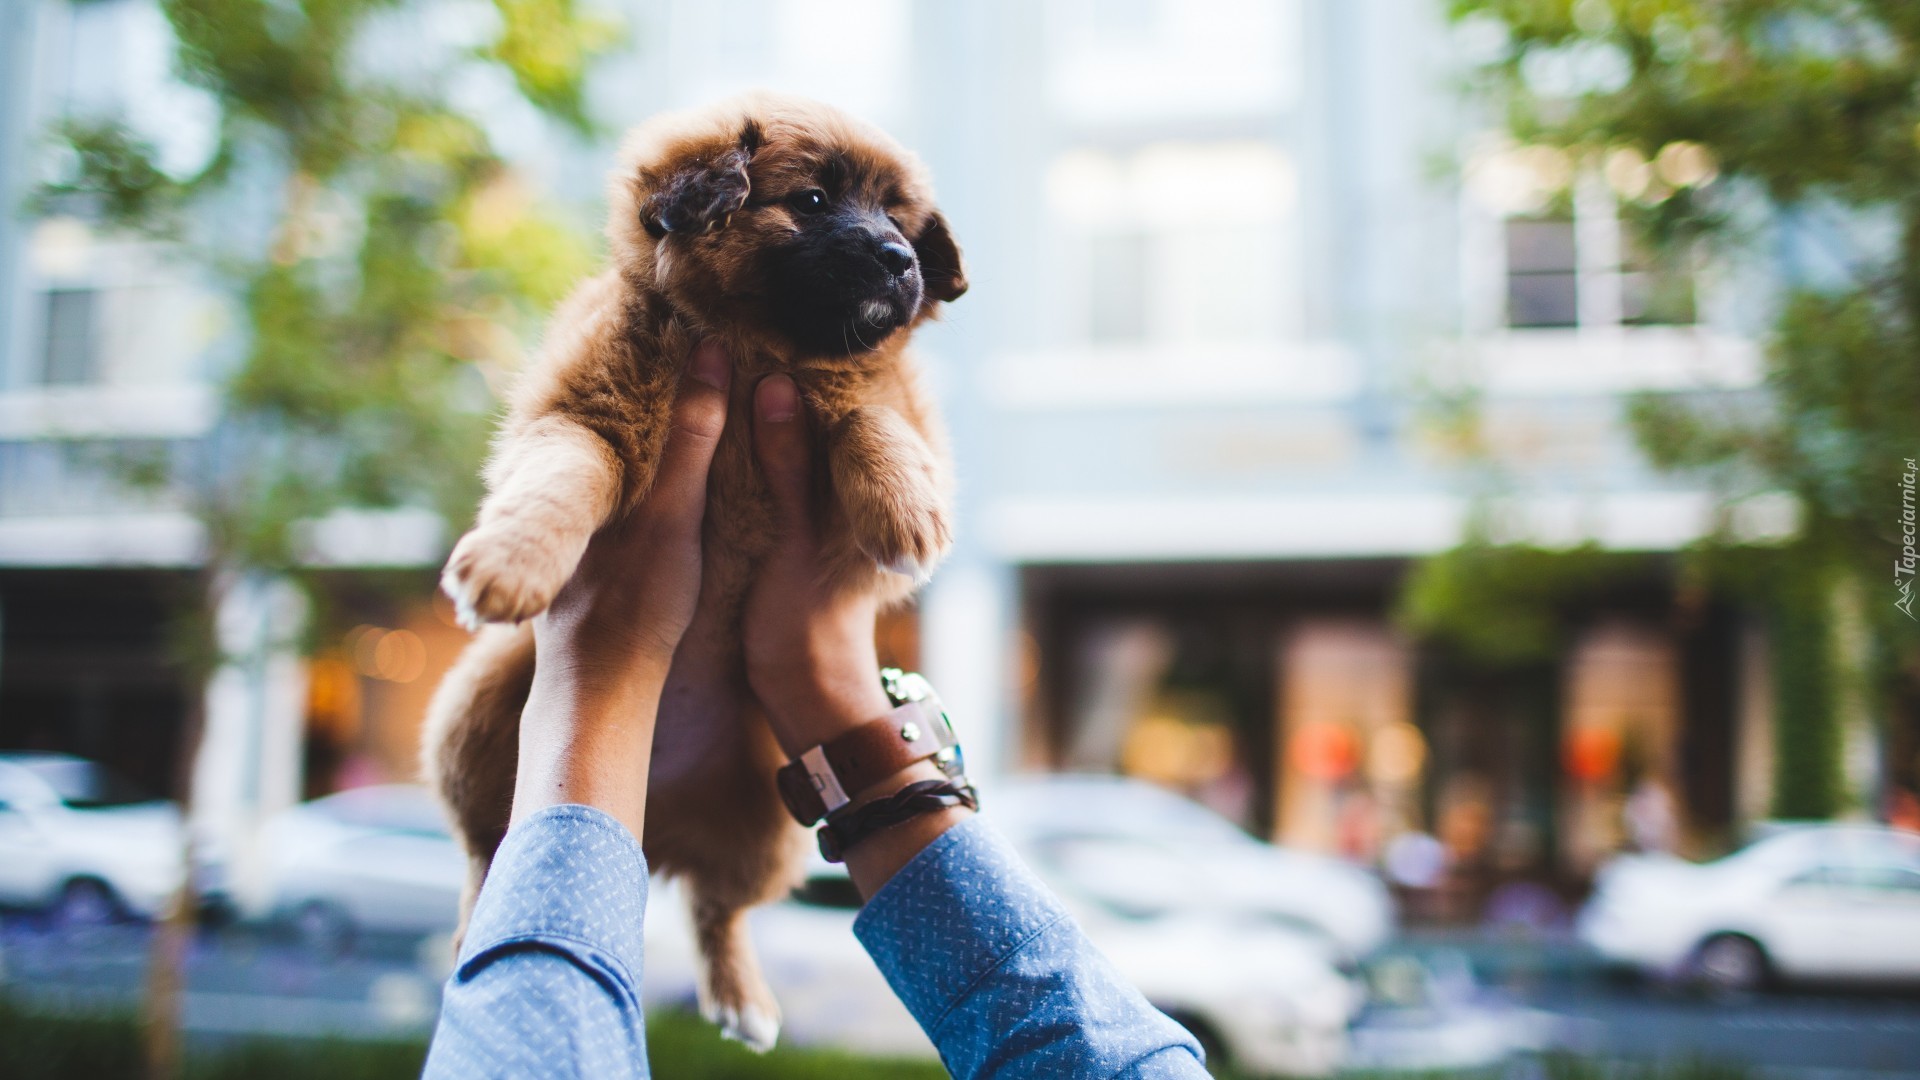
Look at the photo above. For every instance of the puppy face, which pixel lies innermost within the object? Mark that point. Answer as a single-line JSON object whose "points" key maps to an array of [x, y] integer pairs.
{"points": [[788, 219]]}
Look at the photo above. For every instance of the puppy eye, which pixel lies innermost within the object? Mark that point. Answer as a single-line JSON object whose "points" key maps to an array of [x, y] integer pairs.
{"points": [[810, 201]]}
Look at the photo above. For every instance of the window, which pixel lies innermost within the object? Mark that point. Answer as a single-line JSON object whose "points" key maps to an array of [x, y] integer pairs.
{"points": [[1117, 287], [1176, 241], [1543, 273], [69, 355], [1897, 880], [1561, 274]]}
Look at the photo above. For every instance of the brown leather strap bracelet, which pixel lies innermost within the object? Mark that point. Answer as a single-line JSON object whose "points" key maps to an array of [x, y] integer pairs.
{"points": [[842, 831], [829, 776]]}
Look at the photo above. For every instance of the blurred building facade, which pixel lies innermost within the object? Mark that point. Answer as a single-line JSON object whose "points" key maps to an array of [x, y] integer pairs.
{"points": [[1230, 259], [106, 354], [112, 349], [1239, 268]]}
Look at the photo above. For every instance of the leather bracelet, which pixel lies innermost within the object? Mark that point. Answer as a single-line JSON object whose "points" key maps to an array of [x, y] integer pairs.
{"points": [[843, 830], [827, 777]]}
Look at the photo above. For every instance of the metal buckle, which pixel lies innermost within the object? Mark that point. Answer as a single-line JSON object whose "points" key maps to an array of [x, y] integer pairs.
{"points": [[832, 795]]}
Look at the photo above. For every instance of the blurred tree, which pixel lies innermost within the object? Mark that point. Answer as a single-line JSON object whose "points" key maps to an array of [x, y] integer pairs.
{"points": [[381, 252], [1810, 111], [1506, 605]]}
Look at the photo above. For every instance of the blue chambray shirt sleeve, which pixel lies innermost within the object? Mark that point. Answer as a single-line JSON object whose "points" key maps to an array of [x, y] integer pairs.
{"points": [[1000, 976], [548, 981]]}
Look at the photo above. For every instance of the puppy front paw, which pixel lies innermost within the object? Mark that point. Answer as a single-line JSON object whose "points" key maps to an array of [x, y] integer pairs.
{"points": [[907, 536], [502, 576]]}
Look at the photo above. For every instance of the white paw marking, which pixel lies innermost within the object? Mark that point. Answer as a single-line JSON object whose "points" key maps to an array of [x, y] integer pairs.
{"points": [[751, 1027], [463, 610], [909, 567]]}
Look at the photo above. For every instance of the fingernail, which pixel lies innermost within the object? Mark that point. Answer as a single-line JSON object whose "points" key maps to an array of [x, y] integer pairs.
{"points": [[711, 364], [778, 399]]}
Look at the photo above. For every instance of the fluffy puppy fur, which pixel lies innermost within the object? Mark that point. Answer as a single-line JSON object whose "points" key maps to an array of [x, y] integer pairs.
{"points": [[809, 244]]}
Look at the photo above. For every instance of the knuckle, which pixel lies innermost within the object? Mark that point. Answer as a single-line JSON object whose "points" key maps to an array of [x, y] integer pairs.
{"points": [[702, 420]]}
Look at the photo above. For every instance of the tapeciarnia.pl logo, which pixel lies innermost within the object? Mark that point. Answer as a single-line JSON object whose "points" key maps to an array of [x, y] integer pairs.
{"points": [[1904, 565]]}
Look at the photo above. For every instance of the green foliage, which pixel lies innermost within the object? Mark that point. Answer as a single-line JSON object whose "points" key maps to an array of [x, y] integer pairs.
{"points": [[546, 44], [1809, 108], [1563, 1066], [683, 1045], [1807, 777], [1507, 605], [1799, 95], [402, 263], [37, 1046], [1809, 102], [110, 174]]}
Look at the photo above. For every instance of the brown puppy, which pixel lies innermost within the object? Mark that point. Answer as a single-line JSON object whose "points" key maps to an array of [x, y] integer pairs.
{"points": [[808, 244]]}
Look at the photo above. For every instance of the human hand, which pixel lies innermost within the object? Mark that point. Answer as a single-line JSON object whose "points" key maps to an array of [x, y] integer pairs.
{"points": [[603, 647], [809, 646]]}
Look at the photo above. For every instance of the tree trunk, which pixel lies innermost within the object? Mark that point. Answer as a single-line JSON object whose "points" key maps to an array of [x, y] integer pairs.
{"points": [[161, 1017]]}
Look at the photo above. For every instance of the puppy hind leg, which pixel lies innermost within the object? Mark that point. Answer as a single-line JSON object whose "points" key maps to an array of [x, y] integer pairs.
{"points": [[733, 991]]}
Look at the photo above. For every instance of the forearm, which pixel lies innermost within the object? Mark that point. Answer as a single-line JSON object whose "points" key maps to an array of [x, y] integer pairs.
{"points": [[587, 739]]}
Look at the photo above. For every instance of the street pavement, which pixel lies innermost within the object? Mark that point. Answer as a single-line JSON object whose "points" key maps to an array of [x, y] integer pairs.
{"points": [[247, 982]]}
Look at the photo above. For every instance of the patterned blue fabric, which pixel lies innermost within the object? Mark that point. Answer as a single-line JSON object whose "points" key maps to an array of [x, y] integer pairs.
{"points": [[984, 956], [1001, 977], [548, 979]]}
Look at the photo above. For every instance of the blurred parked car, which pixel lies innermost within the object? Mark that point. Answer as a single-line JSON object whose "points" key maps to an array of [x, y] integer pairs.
{"points": [[1143, 850], [74, 840], [1263, 997], [1265, 986], [376, 859], [1826, 902], [1430, 1014]]}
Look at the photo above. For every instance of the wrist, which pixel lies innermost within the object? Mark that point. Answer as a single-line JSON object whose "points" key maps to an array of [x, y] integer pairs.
{"points": [[598, 662], [912, 774], [818, 706]]}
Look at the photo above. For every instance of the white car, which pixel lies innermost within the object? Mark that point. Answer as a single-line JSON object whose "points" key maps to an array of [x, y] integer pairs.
{"points": [[1263, 993], [73, 842], [1142, 849], [1265, 998], [376, 859], [1811, 902]]}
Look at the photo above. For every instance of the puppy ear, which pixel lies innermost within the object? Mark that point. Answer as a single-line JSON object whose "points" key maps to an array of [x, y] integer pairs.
{"points": [[940, 265], [702, 195]]}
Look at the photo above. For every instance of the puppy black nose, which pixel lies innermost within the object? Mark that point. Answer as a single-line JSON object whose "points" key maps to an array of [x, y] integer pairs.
{"points": [[896, 257]]}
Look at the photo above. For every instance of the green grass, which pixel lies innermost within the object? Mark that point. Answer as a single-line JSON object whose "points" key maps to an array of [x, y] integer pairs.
{"points": [[38, 1046], [680, 1045]]}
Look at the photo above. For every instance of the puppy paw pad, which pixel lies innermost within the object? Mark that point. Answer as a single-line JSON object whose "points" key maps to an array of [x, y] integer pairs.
{"points": [[495, 579]]}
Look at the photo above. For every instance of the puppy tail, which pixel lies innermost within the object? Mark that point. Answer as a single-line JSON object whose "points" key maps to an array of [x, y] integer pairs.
{"points": [[470, 745]]}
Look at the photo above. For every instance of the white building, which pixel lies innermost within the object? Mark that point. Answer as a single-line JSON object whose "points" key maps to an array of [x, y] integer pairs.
{"points": [[1229, 258]]}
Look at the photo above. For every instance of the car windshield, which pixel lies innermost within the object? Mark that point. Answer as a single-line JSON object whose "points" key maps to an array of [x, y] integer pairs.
{"points": [[1105, 808], [1842, 846], [82, 784], [397, 807]]}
